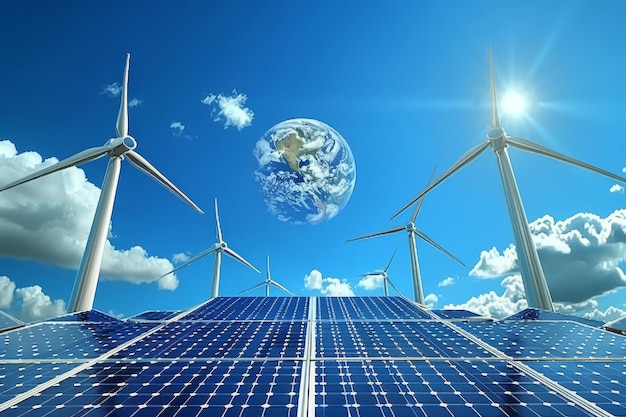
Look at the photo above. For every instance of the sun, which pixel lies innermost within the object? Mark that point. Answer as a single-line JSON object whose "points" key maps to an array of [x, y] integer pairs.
{"points": [[514, 103]]}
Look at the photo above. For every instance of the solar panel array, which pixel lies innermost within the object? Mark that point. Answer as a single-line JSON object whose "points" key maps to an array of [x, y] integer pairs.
{"points": [[299, 356]]}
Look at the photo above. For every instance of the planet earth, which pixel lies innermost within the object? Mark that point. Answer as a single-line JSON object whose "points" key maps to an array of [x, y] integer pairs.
{"points": [[306, 171]]}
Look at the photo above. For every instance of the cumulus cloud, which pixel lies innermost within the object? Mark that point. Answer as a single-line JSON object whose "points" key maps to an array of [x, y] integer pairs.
{"points": [[494, 305], [177, 128], [580, 255], [431, 300], [134, 102], [35, 305], [331, 287], [616, 188], [7, 288], [48, 220], [610, 314], [29, 303], [446, 282], [112, 90], [179, 258], [230, 109], [371, 282]]}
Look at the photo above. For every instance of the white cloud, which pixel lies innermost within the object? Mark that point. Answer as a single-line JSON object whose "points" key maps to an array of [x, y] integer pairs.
{"points": [[48, 220], [179, 258], [168, 282], [446, 282], [371, 282], [580, 255], [492, 264], [231, 109], [313, 281], [113, 90], [616, 188], [497, 306], [134, 102], [7, 289], [332, 287], [35, 305], [608, 315], [177, 128], [431, 300], [335, 287]]}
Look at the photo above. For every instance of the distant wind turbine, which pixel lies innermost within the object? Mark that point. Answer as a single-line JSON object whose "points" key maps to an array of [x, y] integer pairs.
{"points": [[412, 231], [116, 149], [383, 274], [268, 282], [535, 286], [217, 248]]}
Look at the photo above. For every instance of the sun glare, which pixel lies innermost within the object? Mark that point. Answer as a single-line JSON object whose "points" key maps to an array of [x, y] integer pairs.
{"points": [[514, 103]]}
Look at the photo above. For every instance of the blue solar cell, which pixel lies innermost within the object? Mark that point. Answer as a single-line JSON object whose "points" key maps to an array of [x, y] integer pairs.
{"points": [[214, 339], [536, 314], [91, 316], [252, 308], [67, 340], [18, 378], [548, 339], [359, 308], [602, 383], [455, 314], [425, 388], [224, 388], [155, 315], [393, 339], [7, 321]]}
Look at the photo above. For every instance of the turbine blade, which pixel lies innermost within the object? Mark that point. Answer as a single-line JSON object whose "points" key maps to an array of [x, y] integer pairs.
{"points": [[468, 157], [80, 158], [526, 145], [279, 286], [390, 260], [393, 286], [240, 258], [371, 274], [194, 259], [147, 168], [121, 127], [435, 245], [217, 222], [494, 114], [419, 205], [381, 233], [252, 288]]}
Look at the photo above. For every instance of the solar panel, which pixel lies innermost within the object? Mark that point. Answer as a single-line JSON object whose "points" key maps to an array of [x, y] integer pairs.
{"points": [[618, 326], [535, 314], [458, 314], [297, 356], [7, 321]]}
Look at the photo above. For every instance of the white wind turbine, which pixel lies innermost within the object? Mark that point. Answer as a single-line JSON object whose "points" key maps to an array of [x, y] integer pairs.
{"points": [[217, 248], [535, 286], [118, 148], [412, 232], [268, 282], [383, 274]]}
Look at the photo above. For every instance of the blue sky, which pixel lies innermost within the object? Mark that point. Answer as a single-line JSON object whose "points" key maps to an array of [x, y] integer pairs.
{"points": [[405, 83]]}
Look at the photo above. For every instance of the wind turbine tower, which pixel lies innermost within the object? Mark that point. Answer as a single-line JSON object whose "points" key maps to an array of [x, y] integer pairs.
{"points": [[218, 247], [118, 148], [535, 286]]}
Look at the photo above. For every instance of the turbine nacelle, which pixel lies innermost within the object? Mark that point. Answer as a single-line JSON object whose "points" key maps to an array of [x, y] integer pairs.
{"points": [[119, 146]]}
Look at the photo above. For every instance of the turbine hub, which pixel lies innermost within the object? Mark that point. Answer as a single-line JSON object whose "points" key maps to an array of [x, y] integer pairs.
{"points": [[223, 245], [410, 227], [495, 133], [122, 145]]}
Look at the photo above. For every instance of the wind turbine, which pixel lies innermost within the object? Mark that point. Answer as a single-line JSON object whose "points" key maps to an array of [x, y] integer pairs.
{"points": [[384, 276], [536, 288], [412, 231], [217, 248], [118, 148], [268, 281]]}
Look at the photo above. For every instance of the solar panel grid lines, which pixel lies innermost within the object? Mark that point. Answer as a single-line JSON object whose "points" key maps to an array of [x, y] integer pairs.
{"points": [[549, 339], [45, 384], [8, 322], [154, 315], [306, 397], [253, 308]]}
